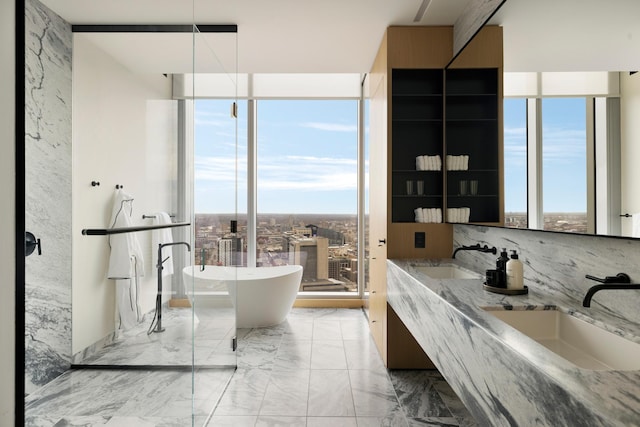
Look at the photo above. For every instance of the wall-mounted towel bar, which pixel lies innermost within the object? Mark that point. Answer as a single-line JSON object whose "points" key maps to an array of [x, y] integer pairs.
{"points": [[153, 216], [108, 231], [626, 215]]}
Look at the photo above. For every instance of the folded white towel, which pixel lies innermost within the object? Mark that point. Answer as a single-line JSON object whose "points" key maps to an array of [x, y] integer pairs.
{"points": [[439, 215], [425, 214], [419, 217], [467, 214], [449, 162], [438, 163], [420, 163], [162, 236], [465, 163]]}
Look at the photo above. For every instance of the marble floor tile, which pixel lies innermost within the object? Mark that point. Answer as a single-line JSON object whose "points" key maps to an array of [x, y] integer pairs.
{"points": [[328, 355], [373, 393], [293, 355], [324, 329], [362, 354], [232, 421], [396, 419], [355, 329], [418, 395], [332, 422], [256, 354], [245, 393], [288, 375], [274, 421], [433, 422], [287, 393], [298, 330], [330, 394]]}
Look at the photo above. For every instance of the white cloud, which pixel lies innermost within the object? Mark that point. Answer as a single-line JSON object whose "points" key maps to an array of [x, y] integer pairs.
{"points": [[331, 127], [295, 173]]}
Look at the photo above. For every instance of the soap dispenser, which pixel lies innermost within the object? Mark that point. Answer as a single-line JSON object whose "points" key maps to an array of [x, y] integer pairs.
{"points": [[515, 279], [501, 267]]}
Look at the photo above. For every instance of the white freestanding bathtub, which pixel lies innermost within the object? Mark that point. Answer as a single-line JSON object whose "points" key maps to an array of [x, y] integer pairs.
{"points": [[262, 296]]}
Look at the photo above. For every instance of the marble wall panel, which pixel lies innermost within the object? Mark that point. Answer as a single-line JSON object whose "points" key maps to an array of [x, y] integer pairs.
{"points": [[48, 48], [557, 263]]}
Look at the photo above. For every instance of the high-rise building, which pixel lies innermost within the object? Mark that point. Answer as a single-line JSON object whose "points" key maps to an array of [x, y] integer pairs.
{"points": [[230, 251], [312, 253], [334, 268]]}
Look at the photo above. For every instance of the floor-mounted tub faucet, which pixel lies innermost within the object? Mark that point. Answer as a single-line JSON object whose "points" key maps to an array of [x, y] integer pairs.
{"points": [[619, 281], [156, 325], [476, 247]]}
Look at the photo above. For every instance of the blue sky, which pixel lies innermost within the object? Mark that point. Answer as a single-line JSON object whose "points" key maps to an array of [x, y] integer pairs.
{"points": [[307, 156], [563, 152], [307, 153]]}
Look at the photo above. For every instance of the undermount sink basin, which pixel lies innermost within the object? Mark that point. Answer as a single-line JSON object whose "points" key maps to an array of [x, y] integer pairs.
{"points": [[583, 344], [448, 271]]}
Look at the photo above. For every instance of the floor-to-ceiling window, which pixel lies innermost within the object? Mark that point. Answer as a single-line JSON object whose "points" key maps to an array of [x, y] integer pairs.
{"points": [[220, 171], [515, 162], [564, 164], [306, 194], [307, 190]]}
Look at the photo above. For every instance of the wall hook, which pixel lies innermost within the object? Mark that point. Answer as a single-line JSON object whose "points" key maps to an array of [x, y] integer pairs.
{"points": [[118, 186], [95, 183]]}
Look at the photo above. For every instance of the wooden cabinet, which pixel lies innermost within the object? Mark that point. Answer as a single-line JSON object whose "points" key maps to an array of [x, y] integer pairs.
{"points": [[417, 108], [474, 127]]}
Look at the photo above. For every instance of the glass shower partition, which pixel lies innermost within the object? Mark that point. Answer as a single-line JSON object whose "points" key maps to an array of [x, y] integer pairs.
{"points": [[212, 155], [114, 313]]}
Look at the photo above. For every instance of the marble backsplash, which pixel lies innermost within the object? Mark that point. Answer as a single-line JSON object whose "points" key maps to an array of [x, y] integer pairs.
{"points": [[556, 263], [48, 49]]}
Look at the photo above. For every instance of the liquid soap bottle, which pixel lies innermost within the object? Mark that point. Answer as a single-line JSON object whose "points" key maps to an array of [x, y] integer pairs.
{"points": [[501, 267], [515, 279]]}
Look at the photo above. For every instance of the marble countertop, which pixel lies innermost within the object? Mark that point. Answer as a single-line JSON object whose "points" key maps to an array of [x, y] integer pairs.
{"points": [[613, 396]]}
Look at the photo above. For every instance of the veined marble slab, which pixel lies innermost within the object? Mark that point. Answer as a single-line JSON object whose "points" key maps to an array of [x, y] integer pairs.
{"points": [[48, 46], [502, 376]]}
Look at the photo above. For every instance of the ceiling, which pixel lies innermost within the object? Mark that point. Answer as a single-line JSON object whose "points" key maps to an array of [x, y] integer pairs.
{"points": [[274, 36], [342, 36], [570, 35]]}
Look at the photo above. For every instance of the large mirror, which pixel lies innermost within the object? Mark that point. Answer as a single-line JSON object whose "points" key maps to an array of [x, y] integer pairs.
{"points": [[571, 95]]}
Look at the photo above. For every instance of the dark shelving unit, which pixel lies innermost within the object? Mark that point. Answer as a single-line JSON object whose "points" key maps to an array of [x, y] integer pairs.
{"points": [[417, 108], [472, 128]]}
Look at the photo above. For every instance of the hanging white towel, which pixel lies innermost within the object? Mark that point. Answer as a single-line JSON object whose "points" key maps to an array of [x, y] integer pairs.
{"points": [[162, 236], [124, 246], [635, 230], [126, 264], [128, 312]]}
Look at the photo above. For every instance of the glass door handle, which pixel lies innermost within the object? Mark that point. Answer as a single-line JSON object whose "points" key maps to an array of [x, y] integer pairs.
{"points": [[31, 243]]}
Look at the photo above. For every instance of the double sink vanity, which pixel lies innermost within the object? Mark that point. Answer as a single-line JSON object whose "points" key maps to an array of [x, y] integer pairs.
{"points": [[533, 359]]}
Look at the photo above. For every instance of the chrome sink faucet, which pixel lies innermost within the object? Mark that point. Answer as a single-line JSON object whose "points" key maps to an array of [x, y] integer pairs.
{"points": [[476, 247], [619, 281]]}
